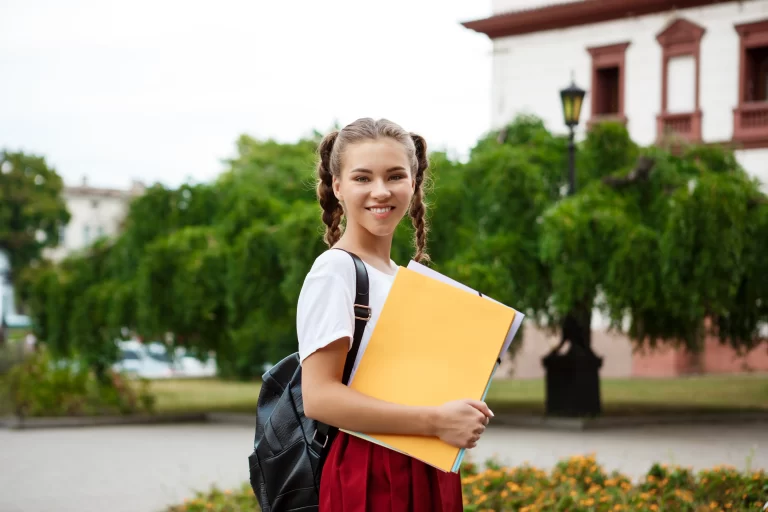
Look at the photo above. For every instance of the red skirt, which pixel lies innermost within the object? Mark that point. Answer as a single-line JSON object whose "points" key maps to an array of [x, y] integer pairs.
{"points": [[360, 476]]}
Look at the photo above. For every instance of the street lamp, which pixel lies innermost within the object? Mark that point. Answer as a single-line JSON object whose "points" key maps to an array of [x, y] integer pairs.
{"points": [[572, 98]]}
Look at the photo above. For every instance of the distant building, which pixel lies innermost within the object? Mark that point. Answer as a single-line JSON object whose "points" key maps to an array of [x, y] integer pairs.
{"points": [[700, 72], [9, 316], [95, 213]]}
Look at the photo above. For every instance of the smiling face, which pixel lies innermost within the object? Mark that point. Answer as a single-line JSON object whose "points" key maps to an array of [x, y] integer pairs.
{"points": [[375, 184]]}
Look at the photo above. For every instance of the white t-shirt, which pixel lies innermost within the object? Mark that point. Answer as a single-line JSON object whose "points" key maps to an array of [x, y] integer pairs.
{"points": [[325, 309]]}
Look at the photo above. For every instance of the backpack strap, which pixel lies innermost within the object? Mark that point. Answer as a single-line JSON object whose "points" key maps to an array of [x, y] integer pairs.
{"points": [[323, 433]]}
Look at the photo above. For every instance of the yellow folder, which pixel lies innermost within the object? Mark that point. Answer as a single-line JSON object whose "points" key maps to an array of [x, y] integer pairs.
{"points": [[433, 343]]}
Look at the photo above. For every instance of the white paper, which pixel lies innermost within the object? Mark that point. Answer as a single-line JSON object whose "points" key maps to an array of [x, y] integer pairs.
{"points": [[518, 320]]}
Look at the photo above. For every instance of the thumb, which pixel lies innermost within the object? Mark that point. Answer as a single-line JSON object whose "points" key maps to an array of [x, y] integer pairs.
{"points": [[481, 406]]}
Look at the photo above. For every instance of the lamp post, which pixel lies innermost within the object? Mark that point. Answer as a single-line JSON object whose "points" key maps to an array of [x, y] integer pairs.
{"points": [[572, 98], [572, 382]]}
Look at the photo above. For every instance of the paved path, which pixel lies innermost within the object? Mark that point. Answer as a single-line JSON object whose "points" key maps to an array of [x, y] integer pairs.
{"points": [[142, 469]]}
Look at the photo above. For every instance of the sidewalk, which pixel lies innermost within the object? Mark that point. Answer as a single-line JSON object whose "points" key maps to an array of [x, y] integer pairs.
{"points": [[144, 468]]}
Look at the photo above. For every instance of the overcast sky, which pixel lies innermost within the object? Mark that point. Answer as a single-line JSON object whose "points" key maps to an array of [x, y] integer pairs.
{"points": [[159, 90]]}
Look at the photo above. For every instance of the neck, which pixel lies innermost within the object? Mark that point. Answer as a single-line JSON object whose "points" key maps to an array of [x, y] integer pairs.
{"points": [[365, 244]]}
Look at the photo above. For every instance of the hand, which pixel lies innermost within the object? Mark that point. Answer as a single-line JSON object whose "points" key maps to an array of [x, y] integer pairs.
{"points": [[460, 423]]}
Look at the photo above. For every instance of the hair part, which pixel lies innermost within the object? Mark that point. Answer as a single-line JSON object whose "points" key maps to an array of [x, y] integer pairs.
{"points": [[330, 152]]}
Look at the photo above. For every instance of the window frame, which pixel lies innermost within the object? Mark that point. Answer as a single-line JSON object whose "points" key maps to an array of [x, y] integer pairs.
{"points": [[608, 56], [750, 118], [681, 38]]}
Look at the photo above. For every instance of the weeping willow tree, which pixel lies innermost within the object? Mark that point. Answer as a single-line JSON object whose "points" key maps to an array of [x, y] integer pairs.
{"points": [[667, 244]]}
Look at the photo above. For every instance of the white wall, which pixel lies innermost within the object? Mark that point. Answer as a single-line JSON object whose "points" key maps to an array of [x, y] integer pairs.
{"points": [[530, 69], [755, 161], [92, 210]]}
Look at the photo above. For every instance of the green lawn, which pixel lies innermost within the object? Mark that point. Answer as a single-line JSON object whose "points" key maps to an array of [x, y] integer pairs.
{"points": [[205, 395], [647, 396], [620, 396]]}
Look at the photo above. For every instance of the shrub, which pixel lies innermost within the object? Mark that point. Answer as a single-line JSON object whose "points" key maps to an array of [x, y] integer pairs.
{"points": [[40, 386], [576, 484]]}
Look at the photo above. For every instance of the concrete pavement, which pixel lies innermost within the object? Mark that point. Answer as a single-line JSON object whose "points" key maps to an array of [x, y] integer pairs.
{"points": [[145, 468]]}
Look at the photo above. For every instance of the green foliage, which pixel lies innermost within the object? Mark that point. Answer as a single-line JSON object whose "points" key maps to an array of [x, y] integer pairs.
{"points": [[32, 209], [43, 386], [576, 483], [670, 249]]}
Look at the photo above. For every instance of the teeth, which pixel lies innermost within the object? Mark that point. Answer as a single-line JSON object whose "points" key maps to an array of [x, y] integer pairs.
{"points": [[380, 210]]}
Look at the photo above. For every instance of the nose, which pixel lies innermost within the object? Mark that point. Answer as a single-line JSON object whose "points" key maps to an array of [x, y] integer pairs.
{"points": [[380, 190]]}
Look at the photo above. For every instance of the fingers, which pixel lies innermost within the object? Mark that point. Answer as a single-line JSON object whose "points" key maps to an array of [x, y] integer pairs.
{"points": [[482, 407]]}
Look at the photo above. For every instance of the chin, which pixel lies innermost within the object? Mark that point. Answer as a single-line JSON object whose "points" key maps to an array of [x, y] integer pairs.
{"points": [[382, 231]]}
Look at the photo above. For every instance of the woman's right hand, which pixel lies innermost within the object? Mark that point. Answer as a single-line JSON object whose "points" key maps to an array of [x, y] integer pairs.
{"points": [[460, 423]]}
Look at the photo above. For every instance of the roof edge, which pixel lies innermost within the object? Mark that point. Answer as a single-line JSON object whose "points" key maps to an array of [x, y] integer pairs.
{"points": [[572, 14]]}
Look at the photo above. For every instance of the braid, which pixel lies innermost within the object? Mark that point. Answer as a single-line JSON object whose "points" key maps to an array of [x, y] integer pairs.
{"points": [[332, 210], [418, 209]]}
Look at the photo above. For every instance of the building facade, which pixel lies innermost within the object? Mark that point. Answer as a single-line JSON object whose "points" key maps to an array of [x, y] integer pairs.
{"points": [[95, 213], [694, 69]]}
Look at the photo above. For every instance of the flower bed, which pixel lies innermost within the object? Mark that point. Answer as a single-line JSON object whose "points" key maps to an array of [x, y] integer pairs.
{"points": [[576, 484]]}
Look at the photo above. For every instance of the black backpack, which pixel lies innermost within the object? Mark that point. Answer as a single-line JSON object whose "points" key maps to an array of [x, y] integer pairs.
{"points": [[289, 449]]}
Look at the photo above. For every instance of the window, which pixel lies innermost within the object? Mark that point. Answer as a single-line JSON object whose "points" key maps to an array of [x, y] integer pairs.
{"points": [[607, 101], [680, 114], [750, 117], [86, 234], [757, 73], [608, 83]]}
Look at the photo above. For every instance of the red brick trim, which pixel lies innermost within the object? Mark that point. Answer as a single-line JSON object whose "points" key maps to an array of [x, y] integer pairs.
{"points": [[602, 57], [681, 37], [750, 119], [575, 13]]}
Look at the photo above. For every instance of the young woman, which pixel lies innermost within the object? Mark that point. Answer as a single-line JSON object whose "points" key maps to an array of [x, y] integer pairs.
{"points": [[371, 173]]}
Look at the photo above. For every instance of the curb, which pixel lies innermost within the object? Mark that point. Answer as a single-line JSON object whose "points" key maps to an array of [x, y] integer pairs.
{"points": [[16, 423], [584, 424], [499, 421]]}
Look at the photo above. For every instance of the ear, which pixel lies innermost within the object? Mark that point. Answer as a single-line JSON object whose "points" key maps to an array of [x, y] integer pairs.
{"points": [[336, 188]]}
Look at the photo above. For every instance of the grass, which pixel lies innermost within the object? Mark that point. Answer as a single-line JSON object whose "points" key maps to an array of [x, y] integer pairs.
{"points": [[711, 393], [205, 395], [620, 396]]}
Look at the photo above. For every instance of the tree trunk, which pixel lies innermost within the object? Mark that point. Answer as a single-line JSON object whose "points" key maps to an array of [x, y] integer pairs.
{"points": [[573, 380], [577, 325]]}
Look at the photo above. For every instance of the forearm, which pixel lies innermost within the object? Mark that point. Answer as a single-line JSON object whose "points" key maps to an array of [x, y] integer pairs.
{"points": [[340, 406]]}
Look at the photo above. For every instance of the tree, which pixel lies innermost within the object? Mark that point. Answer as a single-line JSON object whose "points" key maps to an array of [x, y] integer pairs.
{"points": [[666, 240], [32, 208]]}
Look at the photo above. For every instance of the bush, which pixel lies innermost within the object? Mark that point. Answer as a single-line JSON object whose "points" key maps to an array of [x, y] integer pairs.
{"points": [[11, 353], [575, 484], [40, 386]]}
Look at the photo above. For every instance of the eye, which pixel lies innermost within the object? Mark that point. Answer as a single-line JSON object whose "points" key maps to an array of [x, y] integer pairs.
{"points": [[361, 178], [398, 177]]}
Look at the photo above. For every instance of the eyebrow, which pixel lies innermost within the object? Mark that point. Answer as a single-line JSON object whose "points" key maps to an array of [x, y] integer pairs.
{"points": [[392, 169]]}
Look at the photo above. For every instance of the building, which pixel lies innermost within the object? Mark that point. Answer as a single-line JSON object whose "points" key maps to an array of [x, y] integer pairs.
{"points": [[95, 213], [697, 69]]}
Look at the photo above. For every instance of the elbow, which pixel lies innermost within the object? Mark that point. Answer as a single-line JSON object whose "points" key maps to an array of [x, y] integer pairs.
{"points": [[311, 399]]}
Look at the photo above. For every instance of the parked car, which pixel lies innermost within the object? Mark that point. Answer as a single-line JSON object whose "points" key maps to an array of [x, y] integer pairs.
{"points": [[153, 361], [183, 363], [135, 359]]}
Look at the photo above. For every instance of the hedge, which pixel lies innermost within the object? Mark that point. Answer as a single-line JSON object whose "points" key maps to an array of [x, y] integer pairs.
{"points": [[575, 484]]}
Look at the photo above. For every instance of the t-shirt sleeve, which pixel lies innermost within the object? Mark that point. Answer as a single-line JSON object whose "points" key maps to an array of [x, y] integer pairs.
{"points": [[324, 312]]}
